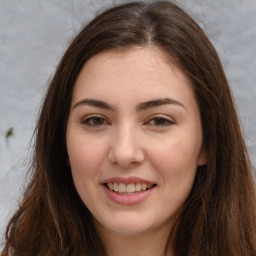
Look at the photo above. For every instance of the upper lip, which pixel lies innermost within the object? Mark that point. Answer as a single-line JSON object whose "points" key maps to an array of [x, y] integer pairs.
{"points": [[127, 180]]}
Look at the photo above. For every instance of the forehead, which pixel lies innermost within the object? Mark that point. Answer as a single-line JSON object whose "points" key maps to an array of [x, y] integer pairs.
{"points": [[148, 61], [136, 72]]}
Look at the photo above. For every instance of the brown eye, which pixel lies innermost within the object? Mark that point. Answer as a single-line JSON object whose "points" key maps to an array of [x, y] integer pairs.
{"points": [[94, 121], [160, 121]]}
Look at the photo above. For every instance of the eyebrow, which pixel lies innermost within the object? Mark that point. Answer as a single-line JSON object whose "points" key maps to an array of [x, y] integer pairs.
{"points": [[94, 103], [140, 107], [158, 102]]}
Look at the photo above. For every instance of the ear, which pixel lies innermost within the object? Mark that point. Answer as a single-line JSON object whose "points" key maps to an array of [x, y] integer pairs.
{"points": [[203, 157]]}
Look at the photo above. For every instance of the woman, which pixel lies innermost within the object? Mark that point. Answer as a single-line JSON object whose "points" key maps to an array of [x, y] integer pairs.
{"points": [[138, 147]]}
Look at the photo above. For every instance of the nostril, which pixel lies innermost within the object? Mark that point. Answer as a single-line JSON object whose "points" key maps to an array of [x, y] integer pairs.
{"points": [[126, 153]]}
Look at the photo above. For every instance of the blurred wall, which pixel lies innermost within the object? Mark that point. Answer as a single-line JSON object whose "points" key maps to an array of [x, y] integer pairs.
{"points": [[35, 33]]}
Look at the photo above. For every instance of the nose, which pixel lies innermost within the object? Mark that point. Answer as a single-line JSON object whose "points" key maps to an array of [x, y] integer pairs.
{"points": [[126, 148]]}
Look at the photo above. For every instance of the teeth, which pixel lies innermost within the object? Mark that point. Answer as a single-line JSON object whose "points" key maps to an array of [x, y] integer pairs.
{"points": [[116, 187], [138, 187], [122, 187], [130, 188], [143, 186], [111, 186]]}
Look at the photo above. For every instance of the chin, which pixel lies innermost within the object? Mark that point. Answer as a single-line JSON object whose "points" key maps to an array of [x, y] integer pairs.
{"points": [[129, 224]]}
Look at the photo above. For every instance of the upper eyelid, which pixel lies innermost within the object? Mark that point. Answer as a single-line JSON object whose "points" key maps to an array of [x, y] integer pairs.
{"points": [[171, 119], [91, 116]]}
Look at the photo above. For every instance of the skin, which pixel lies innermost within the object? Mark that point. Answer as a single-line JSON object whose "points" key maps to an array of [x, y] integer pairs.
{"points": [[162, 144]]}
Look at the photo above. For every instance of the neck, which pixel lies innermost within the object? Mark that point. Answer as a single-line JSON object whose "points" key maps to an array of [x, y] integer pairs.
{"points": [[149, 244]]}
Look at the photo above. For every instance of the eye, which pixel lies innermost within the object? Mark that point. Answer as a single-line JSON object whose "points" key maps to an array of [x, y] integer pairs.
{"points": [[94, 121], [160, 121]]}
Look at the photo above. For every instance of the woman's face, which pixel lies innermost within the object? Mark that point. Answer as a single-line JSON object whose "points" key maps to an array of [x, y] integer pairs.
{"points": [[134, 140]]}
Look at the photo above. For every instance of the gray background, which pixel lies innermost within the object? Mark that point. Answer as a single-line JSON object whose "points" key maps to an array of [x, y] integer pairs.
{"points": [[34, 35]]}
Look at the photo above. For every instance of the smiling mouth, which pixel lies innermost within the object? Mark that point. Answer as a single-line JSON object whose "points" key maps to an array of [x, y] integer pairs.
{"points": [[129, 189]]}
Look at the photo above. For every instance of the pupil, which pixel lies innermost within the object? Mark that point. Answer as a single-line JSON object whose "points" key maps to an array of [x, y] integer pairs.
{"points": [[159, 121], [98, 121]]}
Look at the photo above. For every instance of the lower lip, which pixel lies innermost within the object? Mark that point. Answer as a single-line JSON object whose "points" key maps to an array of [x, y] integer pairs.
{"points": [[136, 198]]}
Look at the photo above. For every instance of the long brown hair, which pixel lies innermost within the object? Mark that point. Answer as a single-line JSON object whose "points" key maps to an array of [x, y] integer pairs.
{"points": [[218, 217]]}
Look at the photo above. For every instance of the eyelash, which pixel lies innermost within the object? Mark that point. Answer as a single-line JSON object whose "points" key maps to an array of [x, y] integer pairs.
{"points": [[166, 121], [90, 121], [87, 121]]}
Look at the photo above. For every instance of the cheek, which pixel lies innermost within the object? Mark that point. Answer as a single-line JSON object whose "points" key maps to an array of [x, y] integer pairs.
{"points": [[85, 155], [176, 165], [175, 153], [176, 162]]}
